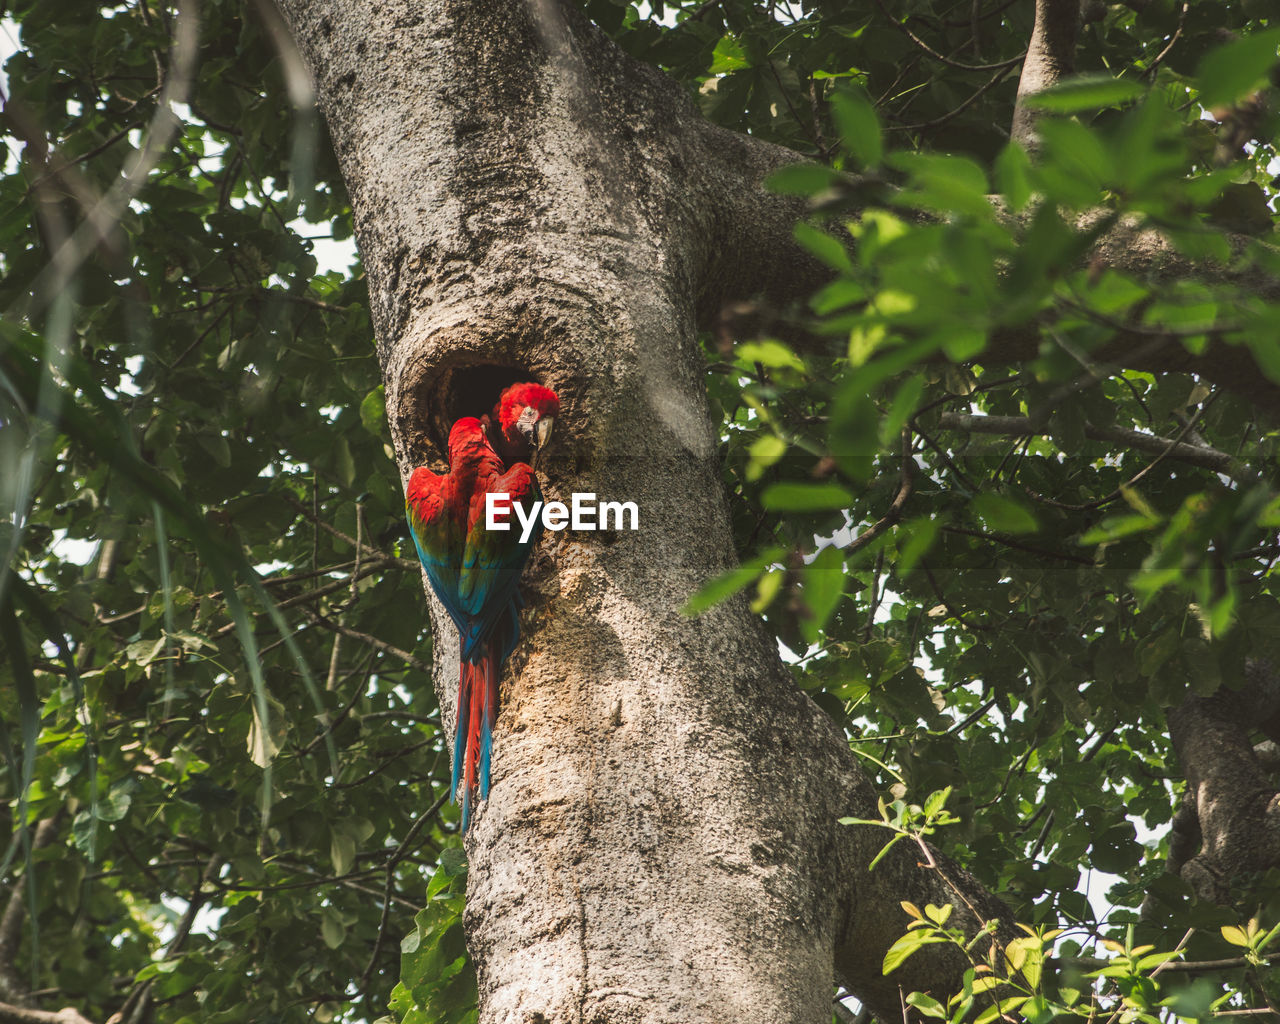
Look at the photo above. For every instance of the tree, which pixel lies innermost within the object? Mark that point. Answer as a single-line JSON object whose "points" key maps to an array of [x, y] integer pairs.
{"points": [[784, 305]]}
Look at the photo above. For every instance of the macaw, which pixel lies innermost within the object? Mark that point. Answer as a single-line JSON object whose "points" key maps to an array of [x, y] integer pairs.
{"points": [[475, 571]]}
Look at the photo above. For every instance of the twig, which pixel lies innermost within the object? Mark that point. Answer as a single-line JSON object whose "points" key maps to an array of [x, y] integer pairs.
{"points": [[138, 1001], [939, 121], [10, 1014], [372, 641], [308, 597], [1177, 34], [404, 563], [342, 715], [1208, 458], [1119, 491], [906, 477], [942, 598], [401, 852], [902, 27], [1018, 545]]}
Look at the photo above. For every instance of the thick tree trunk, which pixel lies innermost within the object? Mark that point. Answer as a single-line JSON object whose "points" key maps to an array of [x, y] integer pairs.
{"points": [[661, 841], [1231, 810]]}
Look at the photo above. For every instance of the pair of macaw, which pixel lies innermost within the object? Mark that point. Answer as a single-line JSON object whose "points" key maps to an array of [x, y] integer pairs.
{"points": [[475, 571]]}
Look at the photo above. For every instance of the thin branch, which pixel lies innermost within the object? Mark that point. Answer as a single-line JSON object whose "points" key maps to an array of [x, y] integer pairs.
{"points": [[404, 563], [1119, 491], [401, 852], [310, 596], [1177, 34], [1017, 545], [906, 479], [10, 1014], [902, 27], [937, 122], [372, 641], [341, 717], [388, 760], [408, 716], [1018, 426], [64, 165], [138, 1002], [15, 914]]}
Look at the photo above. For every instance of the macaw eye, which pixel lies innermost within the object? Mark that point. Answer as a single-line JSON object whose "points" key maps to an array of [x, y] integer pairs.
{"points": [[528, 417]]}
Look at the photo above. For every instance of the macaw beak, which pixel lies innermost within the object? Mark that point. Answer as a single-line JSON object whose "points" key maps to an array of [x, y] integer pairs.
{"points": [[542, 436]]}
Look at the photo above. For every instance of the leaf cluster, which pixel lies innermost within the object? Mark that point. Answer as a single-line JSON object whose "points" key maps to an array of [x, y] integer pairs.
{"points": [[216, 694]]}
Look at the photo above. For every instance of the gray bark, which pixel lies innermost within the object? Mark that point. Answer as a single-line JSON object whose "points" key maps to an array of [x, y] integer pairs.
{"points": [[1231, 811], [661, 840], [1051, 56]]}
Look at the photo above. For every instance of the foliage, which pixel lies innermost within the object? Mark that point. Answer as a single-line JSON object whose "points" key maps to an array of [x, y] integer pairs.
{"points": [[196, 469], [1060, 974], [225, 682], [998, 581]]}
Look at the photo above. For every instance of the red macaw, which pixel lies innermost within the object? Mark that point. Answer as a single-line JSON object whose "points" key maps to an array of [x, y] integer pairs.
{"points": [[475, 571]]}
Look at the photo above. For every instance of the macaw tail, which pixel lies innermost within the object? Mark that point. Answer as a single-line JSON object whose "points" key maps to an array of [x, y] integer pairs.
{"points": [[473, 741], [465, 671]]}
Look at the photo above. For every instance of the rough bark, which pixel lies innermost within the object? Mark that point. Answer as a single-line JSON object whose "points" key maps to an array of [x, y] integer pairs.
{"points": [[13, 989], [1231, 813], [1051, 55], [661, 841]]}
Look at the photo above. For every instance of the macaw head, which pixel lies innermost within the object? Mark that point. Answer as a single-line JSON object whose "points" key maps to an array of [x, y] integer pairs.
{"points": [[525, 414]]}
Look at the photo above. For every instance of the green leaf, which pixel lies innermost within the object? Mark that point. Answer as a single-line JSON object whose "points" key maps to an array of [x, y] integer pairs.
{"points": [[1013, 176], [936, 801], [864, 340], [801, 180], [917, 537], [914, 940], [373, 412], [217, 448], [859, 127], [823, 586], [927, 1005], [728, 56], [945, 184], [1231, 72], [770, 353], [805, 497], [342, 851], [729, 583], [1115, 528], [345, 463], [1086, 92], [1004, 515], [1154, 651], [767, 589], [1235, 936], [827, 249], [332, 930], [764, 451], [903, 406]]}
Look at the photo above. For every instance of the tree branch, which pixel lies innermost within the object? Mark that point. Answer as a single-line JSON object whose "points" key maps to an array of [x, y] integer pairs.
{"points": [[15, 913], [10, 1014], [1020, 426], [1051, 55], [1235, 801]]}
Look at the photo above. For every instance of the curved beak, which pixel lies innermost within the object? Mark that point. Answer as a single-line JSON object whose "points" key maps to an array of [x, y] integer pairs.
{"points": [[542, 436]]}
